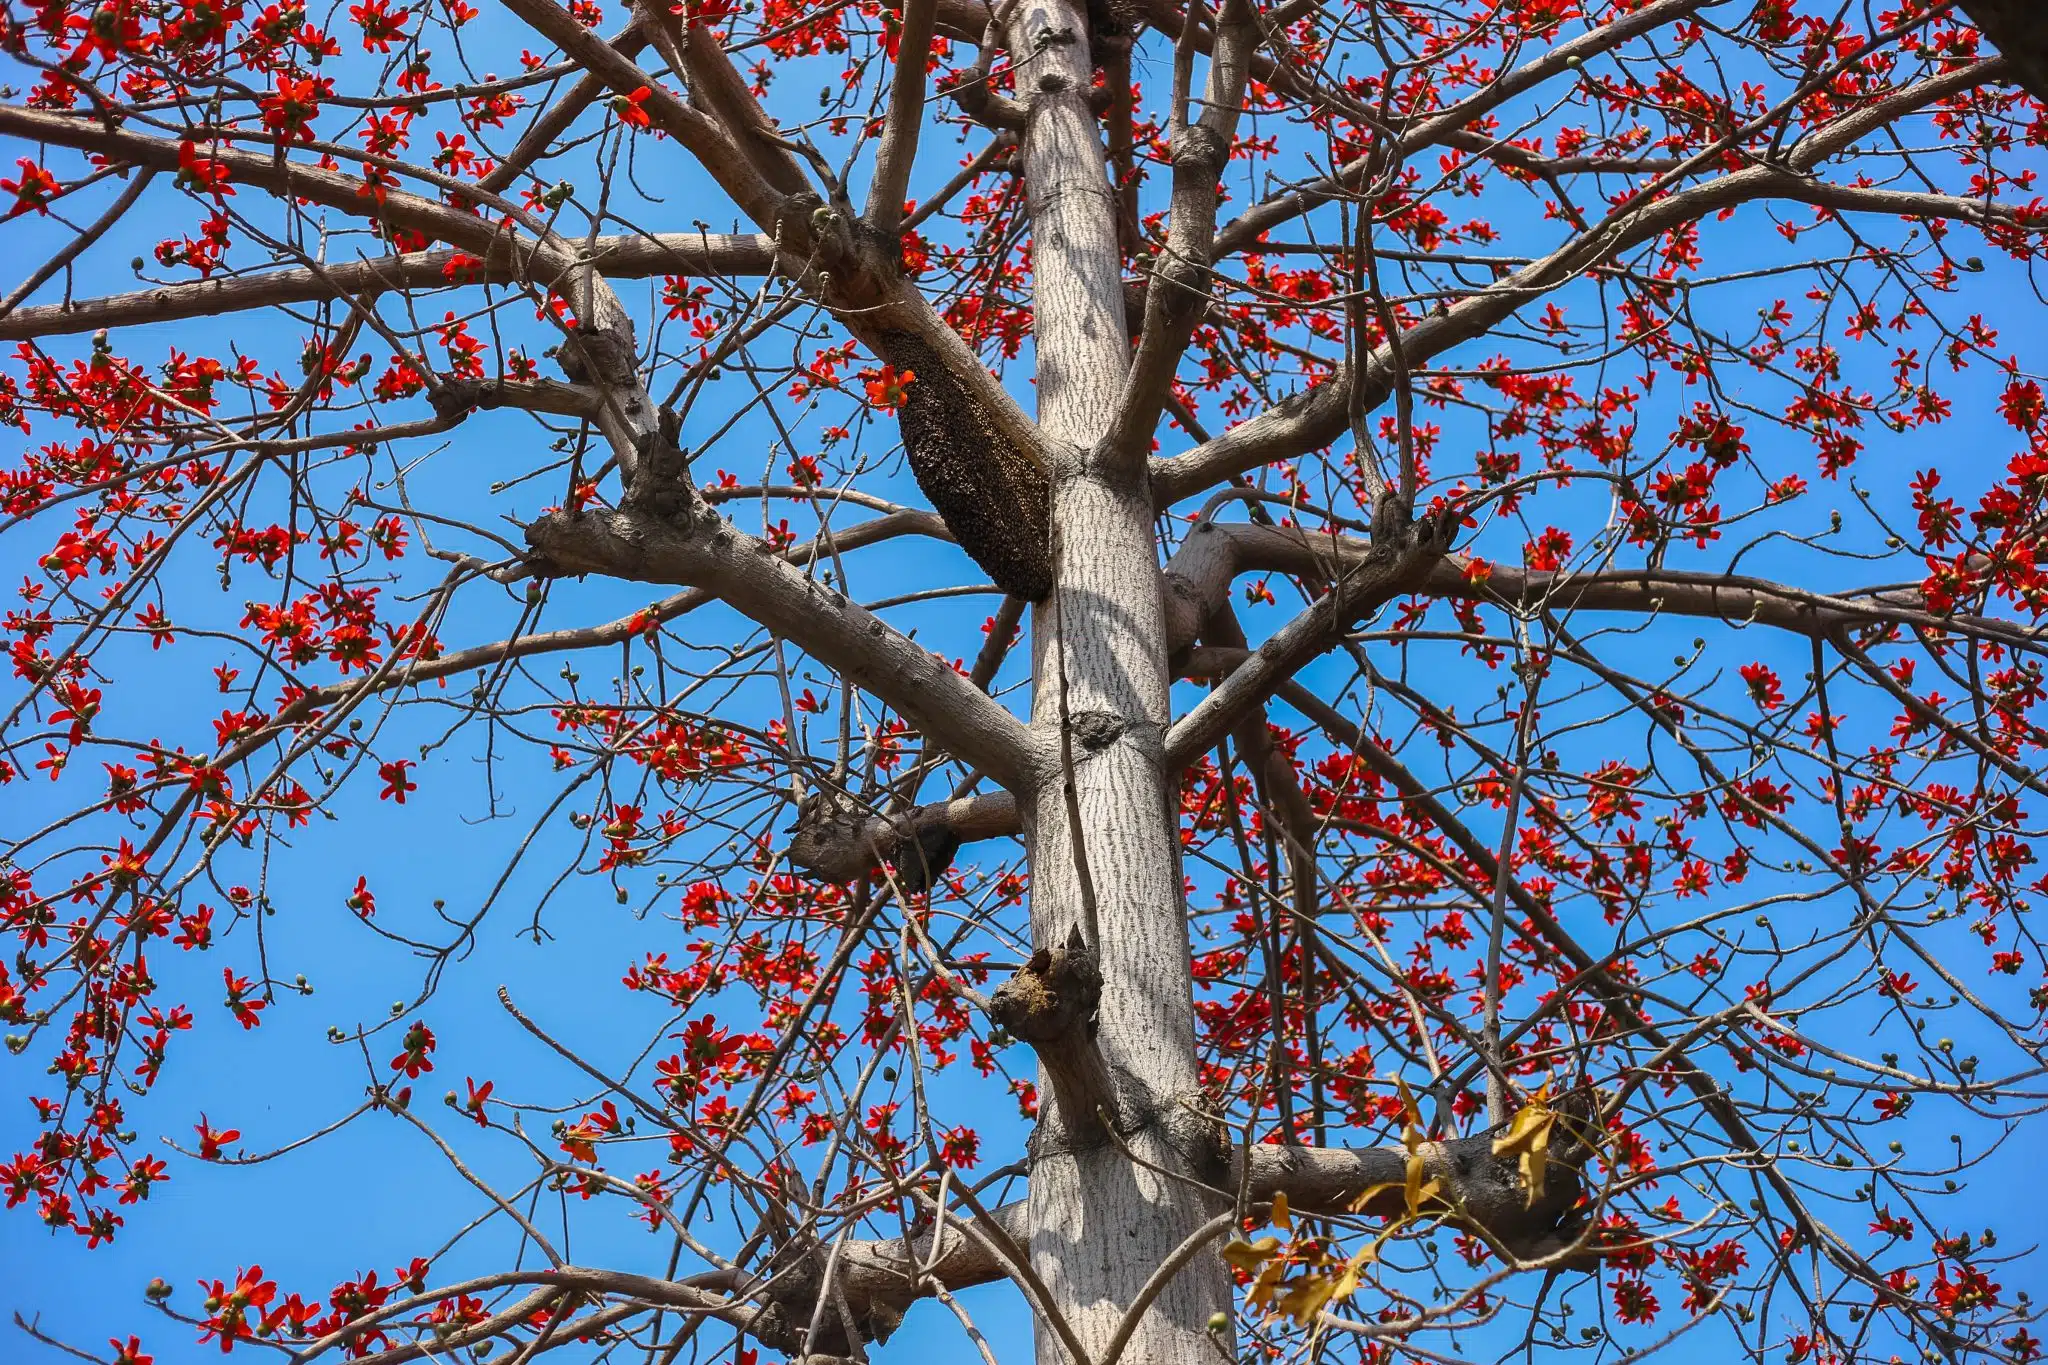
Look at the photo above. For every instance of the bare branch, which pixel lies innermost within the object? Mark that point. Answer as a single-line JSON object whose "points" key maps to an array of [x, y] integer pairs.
{"points": [[624, 257], [1319, 416], [898, 152], [712, 554], [737, 174], [1397, 561]]}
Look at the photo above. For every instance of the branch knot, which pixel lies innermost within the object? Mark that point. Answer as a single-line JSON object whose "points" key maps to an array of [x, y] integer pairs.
{"points": [[1051, 1003]]}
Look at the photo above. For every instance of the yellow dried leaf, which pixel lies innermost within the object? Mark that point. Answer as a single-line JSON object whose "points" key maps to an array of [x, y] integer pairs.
{"points": [[1527, 1138], [1261, 1295], [1411, 1139], [1281, 1218], [1354, 1271], [1371, 1192], [1249, 1256], [1411, 1117], [1305, 1298]]}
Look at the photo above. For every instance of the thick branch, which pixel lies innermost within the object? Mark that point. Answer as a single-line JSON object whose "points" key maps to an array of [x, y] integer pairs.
{"points": [[1200, 573], [707, 551], [639, 1291], [716, 86], [898, 151], [1478, 1189], [1178, 289], [839, 851], [1398, 562], [1719, 597], [624, 257], [459, 397]]}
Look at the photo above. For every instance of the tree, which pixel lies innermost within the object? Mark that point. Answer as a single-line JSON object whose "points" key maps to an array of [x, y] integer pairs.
{"points": [[1618, 844]]}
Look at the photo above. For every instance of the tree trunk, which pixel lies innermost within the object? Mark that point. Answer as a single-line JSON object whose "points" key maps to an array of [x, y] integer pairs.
{"points": [[1101, 1223], [2019, 29]]}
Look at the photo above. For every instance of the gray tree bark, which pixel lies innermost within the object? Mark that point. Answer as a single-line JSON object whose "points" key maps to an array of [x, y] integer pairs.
{"points": [[2019, 29], [1101, 1223]]}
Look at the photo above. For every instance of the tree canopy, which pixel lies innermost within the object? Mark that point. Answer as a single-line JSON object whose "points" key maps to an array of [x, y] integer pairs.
{"points": [[1328, 679]]}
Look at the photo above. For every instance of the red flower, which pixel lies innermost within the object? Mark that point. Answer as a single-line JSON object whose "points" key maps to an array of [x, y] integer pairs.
{"points": [[396, 784], [889, 386], [632, 109], [228, 1309], [200, 174], [1633, 1301], [960, 1148], [2021, 404], [707, 1046], [211, 1140], [1764, 687], [1972, 1289], [1548, 552], [36, 188], [381, 27], [475, 1104], [419, 1044], [239, 1001], [289, 111], [143, 1174]]}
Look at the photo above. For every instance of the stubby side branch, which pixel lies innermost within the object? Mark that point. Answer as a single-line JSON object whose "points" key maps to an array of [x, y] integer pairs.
{"points": [[1051, 1003]]}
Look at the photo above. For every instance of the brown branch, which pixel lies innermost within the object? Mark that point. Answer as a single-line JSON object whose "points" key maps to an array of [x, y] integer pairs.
{"points": [[639, 1291], [71, 250], [894, 158], [461, 396], [1733, 598], [283, 177], [966, 20], [1200, 573], [715, 85], [1398, 562], [709, 552], [1314, 419], [841, 850], [866, 291], [1198, 580], [1177, 295], [1553, 62], [715, 148], [1478, 1189], [502, 261], [534, 144]]}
